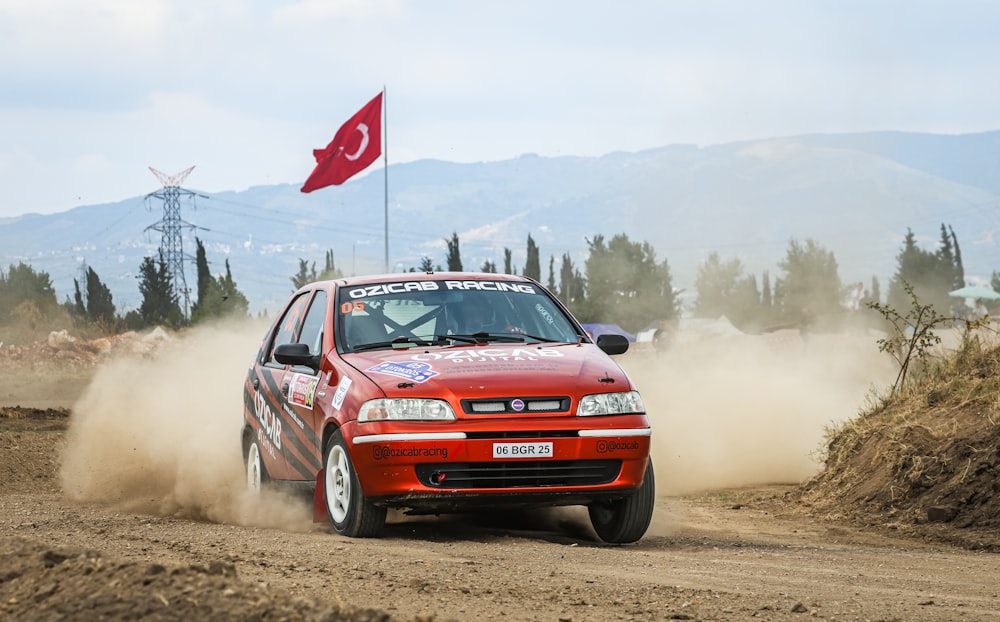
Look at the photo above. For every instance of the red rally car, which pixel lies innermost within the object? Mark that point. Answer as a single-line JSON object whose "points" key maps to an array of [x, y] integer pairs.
{"points": [[445, 392]]}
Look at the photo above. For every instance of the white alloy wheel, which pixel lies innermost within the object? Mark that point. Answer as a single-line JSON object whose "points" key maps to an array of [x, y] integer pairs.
{"points": [[255, 470], [338, 483], [350, 512]]}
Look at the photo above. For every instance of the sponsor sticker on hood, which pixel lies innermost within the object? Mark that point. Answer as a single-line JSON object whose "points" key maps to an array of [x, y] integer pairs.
{"points": [[494, 359], [414, 371]]}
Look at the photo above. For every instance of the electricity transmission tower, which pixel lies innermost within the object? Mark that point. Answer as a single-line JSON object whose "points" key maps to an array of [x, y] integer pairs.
{"points": [[170, 226]]}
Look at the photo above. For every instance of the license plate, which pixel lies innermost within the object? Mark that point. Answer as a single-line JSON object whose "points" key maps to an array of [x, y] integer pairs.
{"points": [[522, 450]]}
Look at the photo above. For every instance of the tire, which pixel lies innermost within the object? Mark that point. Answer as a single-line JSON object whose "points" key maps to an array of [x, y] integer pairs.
{"points": [[625, 520], [350, 512], [256, 473]]}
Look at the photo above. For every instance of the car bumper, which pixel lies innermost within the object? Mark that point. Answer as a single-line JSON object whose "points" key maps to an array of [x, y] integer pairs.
{"points": [[448, 466]]}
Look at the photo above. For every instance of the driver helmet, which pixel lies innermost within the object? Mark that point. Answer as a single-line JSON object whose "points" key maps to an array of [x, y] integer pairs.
{"points": [[476, 315]]}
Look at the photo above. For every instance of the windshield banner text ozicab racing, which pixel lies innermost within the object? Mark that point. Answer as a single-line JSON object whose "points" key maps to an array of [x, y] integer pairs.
{"points": [[429, 286]]}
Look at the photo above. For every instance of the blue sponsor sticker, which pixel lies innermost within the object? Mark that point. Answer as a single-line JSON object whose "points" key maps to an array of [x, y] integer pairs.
{"points": [[415, 371]]}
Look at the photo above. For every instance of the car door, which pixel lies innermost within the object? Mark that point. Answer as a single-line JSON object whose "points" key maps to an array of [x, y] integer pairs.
{"points": [[269, 400], [300, 387]]}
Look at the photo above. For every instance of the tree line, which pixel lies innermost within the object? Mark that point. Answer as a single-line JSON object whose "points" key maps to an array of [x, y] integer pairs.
{"points": [[28, 301], [621, 281]]}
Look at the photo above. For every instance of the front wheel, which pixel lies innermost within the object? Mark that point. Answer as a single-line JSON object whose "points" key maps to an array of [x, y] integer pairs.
{"points": [[625, 520], [350, 512]]}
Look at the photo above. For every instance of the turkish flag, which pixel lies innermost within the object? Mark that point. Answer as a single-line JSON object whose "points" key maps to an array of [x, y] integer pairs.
{"points": [[356, 145]]}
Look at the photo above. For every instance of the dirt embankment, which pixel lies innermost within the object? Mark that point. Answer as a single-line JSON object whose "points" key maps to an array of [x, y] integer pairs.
{"points": [[926, 463]]}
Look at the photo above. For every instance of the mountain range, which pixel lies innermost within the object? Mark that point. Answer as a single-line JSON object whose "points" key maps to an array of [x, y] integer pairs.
{"points": [[854, 194]]}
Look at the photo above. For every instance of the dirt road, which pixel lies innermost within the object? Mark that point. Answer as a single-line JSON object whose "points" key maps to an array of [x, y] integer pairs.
{"points": [[732, 553], [728, 555]]}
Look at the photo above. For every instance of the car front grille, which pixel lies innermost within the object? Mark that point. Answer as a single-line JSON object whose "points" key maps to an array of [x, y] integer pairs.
{"points": [[516, 405], [519, 474]]}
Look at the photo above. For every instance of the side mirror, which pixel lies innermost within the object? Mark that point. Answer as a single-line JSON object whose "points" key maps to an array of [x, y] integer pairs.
{"points": [[296, 354], [612, 344]]}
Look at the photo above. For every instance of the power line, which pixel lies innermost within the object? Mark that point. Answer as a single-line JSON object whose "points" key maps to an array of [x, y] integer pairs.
{"points": [[170, 227]]}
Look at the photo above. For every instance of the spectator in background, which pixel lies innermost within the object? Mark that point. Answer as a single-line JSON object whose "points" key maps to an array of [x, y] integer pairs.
{"points": [[805, 325], [979, 313], [961, 312], [858, 297], [661, 338]]}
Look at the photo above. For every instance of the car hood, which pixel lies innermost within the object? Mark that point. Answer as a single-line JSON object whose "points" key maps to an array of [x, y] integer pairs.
{"points": [[490, 370]]}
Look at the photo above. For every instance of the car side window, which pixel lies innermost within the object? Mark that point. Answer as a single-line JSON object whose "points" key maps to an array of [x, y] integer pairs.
{"points": [[312, 327], [288, 326], [539, 315]]}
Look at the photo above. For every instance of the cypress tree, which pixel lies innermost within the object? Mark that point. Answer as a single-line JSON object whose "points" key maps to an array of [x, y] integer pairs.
{"points": [[100, 307], [234, 302], [454, 256], [79, 309], [160, 303], [959, 268], [948, 269], [532, 266]]}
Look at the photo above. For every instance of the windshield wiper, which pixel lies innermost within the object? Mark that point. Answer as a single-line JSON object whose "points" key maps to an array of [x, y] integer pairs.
{"points": [[542, 339], [462, 338], [480, 337], [484, 337], [398, 341]]}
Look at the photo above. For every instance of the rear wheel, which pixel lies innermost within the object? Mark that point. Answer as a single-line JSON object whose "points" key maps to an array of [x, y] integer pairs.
{"points": [[256, 473], [625, 520], [350, 512]]}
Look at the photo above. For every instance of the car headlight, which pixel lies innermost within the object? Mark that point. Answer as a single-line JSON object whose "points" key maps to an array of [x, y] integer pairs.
{"points": [[610, 404], [405, 409]]}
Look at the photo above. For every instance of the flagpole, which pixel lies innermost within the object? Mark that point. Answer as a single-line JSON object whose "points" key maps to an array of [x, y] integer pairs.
{"points": [[385, 171]]}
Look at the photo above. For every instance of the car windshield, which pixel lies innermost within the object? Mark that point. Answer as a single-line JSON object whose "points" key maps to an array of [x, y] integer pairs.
{"points": [[446, 312]]}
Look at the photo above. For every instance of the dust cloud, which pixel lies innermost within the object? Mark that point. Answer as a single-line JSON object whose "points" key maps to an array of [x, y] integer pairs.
{"points": [[743, 410], [160, 433]]}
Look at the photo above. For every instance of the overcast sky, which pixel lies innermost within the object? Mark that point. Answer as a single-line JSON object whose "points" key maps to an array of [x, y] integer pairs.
{"points": [[93, 92]]}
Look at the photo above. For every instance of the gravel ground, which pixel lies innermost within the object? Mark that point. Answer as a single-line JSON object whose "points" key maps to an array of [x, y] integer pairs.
{"points": [[733, 551]]}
